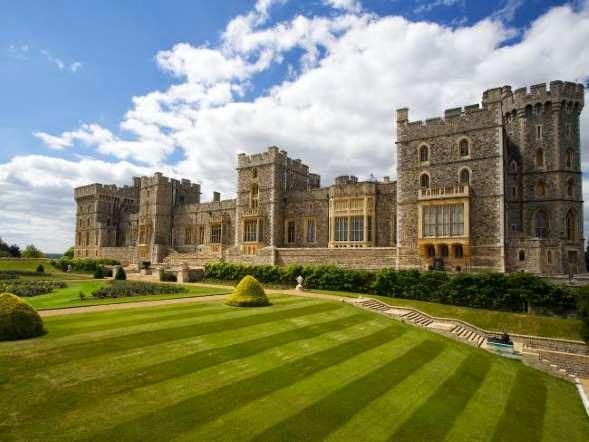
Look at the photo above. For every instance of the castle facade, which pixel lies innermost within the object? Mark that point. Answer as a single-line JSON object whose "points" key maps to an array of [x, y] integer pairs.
{"points": [[496, 186]]}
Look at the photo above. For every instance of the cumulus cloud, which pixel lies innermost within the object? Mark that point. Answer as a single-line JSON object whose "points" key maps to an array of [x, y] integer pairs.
{"points": [[346, 5], [336, 107]]}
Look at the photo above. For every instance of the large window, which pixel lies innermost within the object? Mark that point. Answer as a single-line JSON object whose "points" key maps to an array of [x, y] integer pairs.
{"points": [[249, 231], [464, 148], [341, 228], [201, 234], [423, 154], [357, 228], [447, 220], [216, 234], [310, 230], [290, 232], [571, 226], [541, 225], [188, 235], [254, 196]]}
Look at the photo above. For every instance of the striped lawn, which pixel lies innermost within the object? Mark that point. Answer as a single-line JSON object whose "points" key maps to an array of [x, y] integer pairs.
{"points": [[301, 369]]}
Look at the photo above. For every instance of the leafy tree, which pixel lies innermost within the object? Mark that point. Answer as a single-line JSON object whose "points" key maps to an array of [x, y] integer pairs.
{"points": [[32, 252], [9, 251], [99, 273], [40, 269], [69, 253]]}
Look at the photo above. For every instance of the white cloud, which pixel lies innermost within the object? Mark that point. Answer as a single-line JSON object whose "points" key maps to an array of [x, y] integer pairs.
{"points": [[335, 110], [18, 52], [508, 11], [346, 5], [75, 66], [427, 5], [56, 61]]}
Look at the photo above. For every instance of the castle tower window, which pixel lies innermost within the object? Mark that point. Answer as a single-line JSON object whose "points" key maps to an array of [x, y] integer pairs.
{"points": [[254, 173], [541, 224], [310, 235], [571, 226], [249, 230], [570, 188], [215, 234], [513, 191], [522, 255], [458, 251], [465, 176], [540, 158], [201, 234], [447, 220], [357, 228], [540, 189], [341, 228], [188, 235], [424, 180], [254, 196], [569, 157], [538, 132], [464, 148], [423, 154], [290, 232], [538, 109], [369, 228], [514, 166]]}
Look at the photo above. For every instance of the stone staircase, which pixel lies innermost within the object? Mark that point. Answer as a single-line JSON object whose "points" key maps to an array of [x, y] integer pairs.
{"points": [[469, 335]]}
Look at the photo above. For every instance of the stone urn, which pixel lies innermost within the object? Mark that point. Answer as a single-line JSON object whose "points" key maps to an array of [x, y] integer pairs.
{"points": [[299, 280]]}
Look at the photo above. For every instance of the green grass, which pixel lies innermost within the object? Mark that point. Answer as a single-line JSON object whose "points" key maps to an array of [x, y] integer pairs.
{"points": [[70, 296], [301, 369], [32, 264], [527, 324]]}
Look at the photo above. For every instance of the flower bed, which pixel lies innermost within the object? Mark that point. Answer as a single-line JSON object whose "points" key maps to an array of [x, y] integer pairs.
{"points": [[30, 288], [121, 289]]}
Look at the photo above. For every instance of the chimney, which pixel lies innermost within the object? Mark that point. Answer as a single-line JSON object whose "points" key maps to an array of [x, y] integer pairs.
{"points": [[386, 179], [216, 197]]}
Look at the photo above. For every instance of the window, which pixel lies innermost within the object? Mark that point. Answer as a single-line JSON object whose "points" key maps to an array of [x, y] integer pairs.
{"points": [[216, 234], [201, 234], [538, 132], [539, 158], [514, 166], [310, 230], [465, 176], [458, 251], [549, 257], [571, 188], [569, 158], [513, 191], [444, 250], [254, 196], [443, 220], [254, 173], [260, 230], [369, 228], [341, 228], [290, 232], [540, 189], [464, 148], [424, 180], [423, 154], [250, 228], [357, 228], [541, 224], [188, 235], [571, 226], [538, 109], [522, 255], [430, 250]]}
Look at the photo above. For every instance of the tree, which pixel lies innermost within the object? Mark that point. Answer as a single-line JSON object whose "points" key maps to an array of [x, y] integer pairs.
{"points": [[32, 252], [120, 275], [7, 251], [69, 253]]}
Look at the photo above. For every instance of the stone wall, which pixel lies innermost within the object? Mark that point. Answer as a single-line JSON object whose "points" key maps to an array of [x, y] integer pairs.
{"points": [[365, 259]]}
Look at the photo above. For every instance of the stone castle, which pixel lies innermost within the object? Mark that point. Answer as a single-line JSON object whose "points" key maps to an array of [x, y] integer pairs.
{"points": [[492, 187]]}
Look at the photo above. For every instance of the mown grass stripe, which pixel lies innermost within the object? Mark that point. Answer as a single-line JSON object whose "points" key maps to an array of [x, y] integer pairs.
{"points": [[325, 416], [435, 418], [527, 403], [79, 394], [99, 347], [187, 414]]}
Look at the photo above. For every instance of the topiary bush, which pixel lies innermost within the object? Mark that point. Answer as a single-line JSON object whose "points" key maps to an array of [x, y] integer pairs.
{"points": [[248, 293], [40, 269], [99, 273], [120, 275], [18, 320]]}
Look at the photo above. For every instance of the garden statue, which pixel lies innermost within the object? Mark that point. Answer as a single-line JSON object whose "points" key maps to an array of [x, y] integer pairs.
{"points": [[300, 283], [69, 268]]}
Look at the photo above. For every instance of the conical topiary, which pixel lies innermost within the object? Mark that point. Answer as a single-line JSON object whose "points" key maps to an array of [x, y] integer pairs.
{"points": [[18, 320], [248, 293]]}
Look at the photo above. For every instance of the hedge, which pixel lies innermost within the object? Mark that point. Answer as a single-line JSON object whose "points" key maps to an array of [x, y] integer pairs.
{"points": [[30, 288], [14, 274], [121, 289], [514, 292], [18, 320], [84, 265]]}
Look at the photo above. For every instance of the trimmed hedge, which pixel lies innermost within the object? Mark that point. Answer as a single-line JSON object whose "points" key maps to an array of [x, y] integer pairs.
{"points": [[122, 289], [514, 292], [30, 288], [248, 293], [120, 275], [14, 274], [18, 320], [83, 265], [168, 276]]}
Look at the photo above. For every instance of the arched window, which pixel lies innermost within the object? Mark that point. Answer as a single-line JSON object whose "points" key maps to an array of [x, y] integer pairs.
{"points": [[538, 109], [571, 225], [458, 251], [423, 154], [570, 188], [254, 196], [549, 257], [464, 148], [465, 176], [424, 180], [522, 255], [540, 189], [431, 250], [444, 250], [569, 158], [540, 158], [541, 224], [513, 166]]}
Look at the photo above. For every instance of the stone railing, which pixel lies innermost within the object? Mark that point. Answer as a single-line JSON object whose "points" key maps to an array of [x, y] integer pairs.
{"points": [[458, 191]]}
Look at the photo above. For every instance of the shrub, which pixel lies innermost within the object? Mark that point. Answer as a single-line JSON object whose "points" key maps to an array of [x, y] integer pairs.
{"points": [[82, 296], [30, 288], [82, 265], [13, 274], [168, 276], [69, 253], [120, 275], [40, 269], [18, 320], [121, 289], [248, 293], [32, 252], [99, 273]]}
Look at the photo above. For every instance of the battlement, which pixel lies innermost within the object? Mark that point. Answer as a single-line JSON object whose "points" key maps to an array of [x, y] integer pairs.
{"points": [[113, 190], [273, 154], [559, 91], [451, 116]]}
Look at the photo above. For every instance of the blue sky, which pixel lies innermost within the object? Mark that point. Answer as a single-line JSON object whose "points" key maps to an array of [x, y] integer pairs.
{"points": [[100, 91]]}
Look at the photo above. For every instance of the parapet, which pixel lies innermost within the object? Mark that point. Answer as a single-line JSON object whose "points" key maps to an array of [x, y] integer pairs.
{"points": [[560, 91], [346, 179], [110, 190], [272, 155]]}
